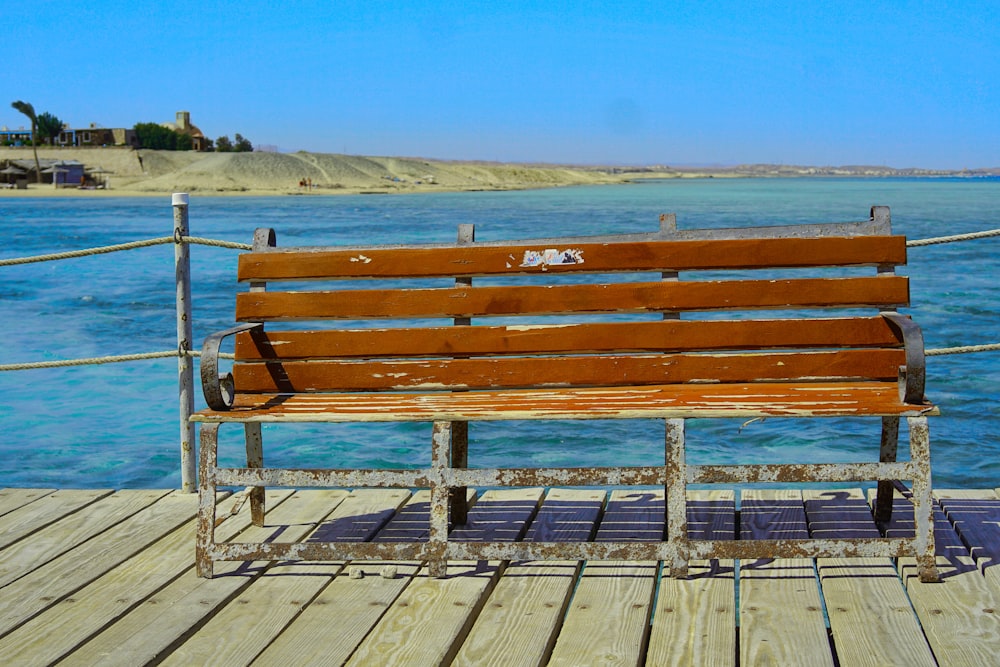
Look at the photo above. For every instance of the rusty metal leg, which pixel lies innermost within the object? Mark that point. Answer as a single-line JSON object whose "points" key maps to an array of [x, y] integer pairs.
{"points": [[923, 506], [255, 459], [458, 496], [206, 500], [890, 443], [676, 495], [437, 542]]}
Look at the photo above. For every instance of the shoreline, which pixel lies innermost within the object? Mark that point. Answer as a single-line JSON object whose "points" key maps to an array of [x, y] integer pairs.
{"points": [[149, 173]]}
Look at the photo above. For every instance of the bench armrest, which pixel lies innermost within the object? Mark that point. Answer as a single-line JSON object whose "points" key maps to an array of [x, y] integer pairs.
{"points": [[911, 376], [218, 389]]}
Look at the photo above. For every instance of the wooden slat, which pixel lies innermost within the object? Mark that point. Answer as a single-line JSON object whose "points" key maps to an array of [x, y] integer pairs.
{"points": [[430, 619], [958, 615], [242, 630], [655, 401], [694, 622], [11, 499], [500, 515], [528, 603], [44, 511], [451, 302], [567, 371], [781, 614], [657, 336], [312, 639], [607, 621], [976, 518], [82, 562], [48, 637], [870, 616], [151, 629], [481, 260], [54, 540]]}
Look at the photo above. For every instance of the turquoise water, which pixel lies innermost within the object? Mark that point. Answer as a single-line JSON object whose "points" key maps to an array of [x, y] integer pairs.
{"points": [[117, 425]]}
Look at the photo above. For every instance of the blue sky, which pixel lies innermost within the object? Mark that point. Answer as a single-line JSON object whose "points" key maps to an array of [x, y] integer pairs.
{"points": [[884, 83]]}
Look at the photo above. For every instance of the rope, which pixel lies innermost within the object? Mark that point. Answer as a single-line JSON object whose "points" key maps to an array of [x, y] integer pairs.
{"points": [[243, 246], [216, 243], [964, 349], [132, 245], [952, 239], [63, 363], [88, 251]]}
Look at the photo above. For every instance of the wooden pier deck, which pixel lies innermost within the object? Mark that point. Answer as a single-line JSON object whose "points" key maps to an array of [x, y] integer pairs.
{"points": [[102, 577]]}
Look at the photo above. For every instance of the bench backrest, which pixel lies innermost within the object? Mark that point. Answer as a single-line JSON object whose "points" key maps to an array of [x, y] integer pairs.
{"points": [[763, 304]]}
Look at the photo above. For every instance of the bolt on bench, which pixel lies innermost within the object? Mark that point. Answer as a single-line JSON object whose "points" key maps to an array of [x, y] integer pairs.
{"points": [[833, 346]]}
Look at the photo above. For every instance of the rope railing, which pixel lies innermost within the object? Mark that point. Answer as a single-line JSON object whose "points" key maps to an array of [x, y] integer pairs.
{"points": [[233, 245], [218, 243], [131, 245], [113, 359], [184, 354], [951, 239]]}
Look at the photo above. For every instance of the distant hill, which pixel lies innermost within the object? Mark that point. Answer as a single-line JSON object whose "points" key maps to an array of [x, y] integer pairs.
{"points": [[157, 172]]}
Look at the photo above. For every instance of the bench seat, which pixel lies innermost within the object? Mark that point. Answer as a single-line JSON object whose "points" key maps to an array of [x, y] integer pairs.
{"points": [[832, 399]]}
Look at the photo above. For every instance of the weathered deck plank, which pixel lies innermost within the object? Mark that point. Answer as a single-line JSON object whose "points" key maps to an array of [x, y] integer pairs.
{"points": [[55, 539], [871, 618], [240, 631], [431, 617], [608, 617], [694, 622], [29, 518], [11, 499], [79, 564], [70, 622], [313, 639], [163, 620], [128, 594], [781, 613], [977, 519], [521, 619], [960, 619]]}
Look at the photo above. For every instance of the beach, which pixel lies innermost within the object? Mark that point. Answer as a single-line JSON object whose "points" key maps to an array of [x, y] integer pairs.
{"points": [[151, 172], [131, 171]]}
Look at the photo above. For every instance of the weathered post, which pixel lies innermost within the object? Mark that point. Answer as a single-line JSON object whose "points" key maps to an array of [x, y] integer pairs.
{"points": [[185, 366]]}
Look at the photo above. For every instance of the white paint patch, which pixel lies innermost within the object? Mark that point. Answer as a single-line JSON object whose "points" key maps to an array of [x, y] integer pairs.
{"points": [[551, 257]]}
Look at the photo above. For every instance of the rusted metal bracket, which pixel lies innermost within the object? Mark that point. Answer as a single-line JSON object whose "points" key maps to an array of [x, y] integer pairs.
{"points": [[218, 389], [913, 375]]}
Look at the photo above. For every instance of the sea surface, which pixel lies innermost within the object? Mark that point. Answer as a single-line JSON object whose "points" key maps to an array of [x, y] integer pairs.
{"points": [[116, 425]]}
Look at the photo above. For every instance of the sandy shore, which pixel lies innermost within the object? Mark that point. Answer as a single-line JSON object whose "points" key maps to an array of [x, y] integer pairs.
{"points": [[147, 172]]}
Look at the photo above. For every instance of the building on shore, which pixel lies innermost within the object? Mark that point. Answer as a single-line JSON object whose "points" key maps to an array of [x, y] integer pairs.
{"points": [[94, 135], [183, 126]]}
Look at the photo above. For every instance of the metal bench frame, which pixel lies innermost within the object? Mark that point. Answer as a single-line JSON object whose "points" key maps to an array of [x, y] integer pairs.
{"points": [[449, 475]]}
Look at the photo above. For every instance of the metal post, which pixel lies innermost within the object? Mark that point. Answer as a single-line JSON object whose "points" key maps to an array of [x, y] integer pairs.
{"points": [[185, 367]]}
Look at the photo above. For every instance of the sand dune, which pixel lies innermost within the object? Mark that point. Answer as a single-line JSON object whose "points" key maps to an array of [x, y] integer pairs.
{"points": [[148, 172], [158, 172]]}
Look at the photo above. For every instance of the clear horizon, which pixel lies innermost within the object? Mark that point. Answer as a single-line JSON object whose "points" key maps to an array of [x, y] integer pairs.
{"points": [[902, 85]]}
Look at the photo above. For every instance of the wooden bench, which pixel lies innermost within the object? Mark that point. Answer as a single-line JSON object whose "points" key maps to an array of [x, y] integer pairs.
{"points": [[418, 342]]}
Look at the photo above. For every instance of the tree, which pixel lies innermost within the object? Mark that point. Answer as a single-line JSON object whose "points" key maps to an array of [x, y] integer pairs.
{"points": [[29, 111], [49, 127], [223, 144], [242, 145], [154, 135]]}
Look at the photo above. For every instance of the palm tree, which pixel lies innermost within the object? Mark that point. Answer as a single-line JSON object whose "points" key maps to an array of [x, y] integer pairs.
{"points": [[29, 111]]}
